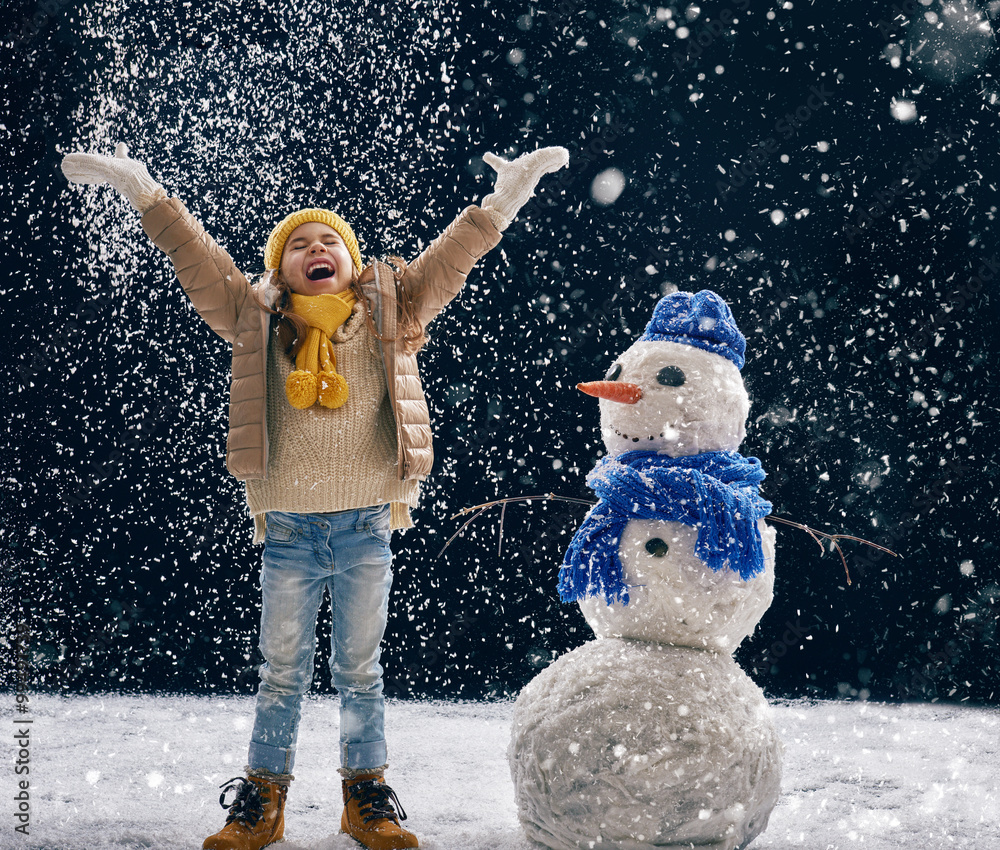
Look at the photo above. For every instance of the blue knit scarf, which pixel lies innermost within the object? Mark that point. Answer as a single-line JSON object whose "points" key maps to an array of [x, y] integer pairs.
{"points": [[716, 492]]}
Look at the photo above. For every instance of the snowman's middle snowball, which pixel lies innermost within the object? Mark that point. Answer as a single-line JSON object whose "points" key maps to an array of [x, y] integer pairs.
{"points": [[674, 599]]}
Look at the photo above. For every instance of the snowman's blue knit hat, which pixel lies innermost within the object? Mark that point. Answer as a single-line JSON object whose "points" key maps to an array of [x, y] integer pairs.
{"points": [[701, 319]]}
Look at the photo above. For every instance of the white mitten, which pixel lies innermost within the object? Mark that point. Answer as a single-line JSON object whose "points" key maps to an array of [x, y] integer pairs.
{"points": [[516, 181], [128, 176]]}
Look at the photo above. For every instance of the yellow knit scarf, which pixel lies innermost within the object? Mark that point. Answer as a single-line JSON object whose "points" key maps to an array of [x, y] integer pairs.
{"points": [[315, 377]]}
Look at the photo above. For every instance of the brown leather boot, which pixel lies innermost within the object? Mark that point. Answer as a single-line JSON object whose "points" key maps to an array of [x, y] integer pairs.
{"points": [[369, 816], [256, 816]]}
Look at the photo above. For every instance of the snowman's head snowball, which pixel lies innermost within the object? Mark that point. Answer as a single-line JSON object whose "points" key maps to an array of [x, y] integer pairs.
{"points": [[674, 598], [692, 401]]}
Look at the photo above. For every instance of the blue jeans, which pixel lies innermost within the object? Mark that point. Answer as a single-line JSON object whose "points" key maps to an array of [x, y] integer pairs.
{"points": [[347, 553]]}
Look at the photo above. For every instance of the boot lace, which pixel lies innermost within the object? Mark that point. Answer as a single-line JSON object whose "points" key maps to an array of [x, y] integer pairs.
{"points": [[248, 806], [375, 801]]}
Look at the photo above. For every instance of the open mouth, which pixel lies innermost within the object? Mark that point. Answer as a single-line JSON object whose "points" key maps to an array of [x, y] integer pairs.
{"points": [[321, 271]]}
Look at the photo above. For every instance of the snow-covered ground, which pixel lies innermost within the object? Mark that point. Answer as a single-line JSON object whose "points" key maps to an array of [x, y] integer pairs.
{"points": [[133, 772]]}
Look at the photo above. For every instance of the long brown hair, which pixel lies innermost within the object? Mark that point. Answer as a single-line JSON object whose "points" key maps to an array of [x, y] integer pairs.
{"points": [[292, 328]]}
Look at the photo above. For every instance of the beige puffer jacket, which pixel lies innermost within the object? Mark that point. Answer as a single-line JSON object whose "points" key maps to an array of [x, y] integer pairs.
{"points": [[222, 295]]}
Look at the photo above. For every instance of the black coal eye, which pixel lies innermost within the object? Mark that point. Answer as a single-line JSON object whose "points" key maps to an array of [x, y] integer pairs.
{"points": [[613, 372], [656, 547], [670, 376]]}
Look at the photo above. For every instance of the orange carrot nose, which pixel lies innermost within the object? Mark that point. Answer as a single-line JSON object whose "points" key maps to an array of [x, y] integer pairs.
{"points": [[612, 390]]}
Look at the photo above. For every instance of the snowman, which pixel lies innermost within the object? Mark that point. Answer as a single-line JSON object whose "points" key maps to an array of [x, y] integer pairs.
{"points": [[651, 735]]}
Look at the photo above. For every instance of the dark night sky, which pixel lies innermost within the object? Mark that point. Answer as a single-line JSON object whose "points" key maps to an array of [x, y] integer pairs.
{"points": [[829, 168]]}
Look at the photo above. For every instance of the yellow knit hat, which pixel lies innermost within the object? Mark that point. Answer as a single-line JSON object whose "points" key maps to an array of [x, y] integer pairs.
{"points": [[276, 241]]}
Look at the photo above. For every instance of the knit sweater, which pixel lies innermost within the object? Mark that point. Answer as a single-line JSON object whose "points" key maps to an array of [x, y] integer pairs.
{"points": [[324, 460]]}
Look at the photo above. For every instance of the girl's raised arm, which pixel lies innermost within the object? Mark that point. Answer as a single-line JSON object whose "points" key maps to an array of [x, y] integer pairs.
{"points": [[437, 275], [218, 290]]}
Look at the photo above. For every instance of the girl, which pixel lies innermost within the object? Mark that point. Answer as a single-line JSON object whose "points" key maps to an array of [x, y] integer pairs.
{"points": [[330, 431]]}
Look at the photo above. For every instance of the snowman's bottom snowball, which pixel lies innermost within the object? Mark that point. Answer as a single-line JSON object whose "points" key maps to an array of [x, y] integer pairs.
{"points": [[635, 745]]}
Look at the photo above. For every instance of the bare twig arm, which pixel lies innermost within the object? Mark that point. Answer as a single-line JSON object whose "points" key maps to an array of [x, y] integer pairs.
{"points": [[833, 538], [522, 499], [479, 510]]}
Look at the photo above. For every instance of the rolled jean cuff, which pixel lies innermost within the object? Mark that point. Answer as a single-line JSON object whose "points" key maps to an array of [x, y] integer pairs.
{"points": [[264, 773], [355, 772], [356, 755], [274, 759]]}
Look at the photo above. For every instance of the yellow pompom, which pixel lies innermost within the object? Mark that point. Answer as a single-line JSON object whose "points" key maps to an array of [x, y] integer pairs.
{"points": [[301, 389], [332, 389]]}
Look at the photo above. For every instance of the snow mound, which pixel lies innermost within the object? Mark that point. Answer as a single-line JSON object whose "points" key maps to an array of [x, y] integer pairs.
{"points": [[639, 745]]}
